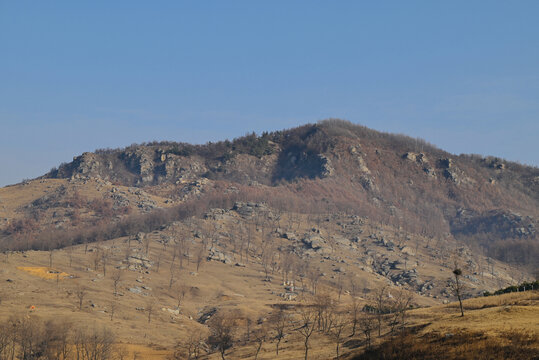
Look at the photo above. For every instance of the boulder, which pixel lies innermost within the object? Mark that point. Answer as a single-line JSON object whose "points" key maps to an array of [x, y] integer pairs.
{"points": [[408, 251]]}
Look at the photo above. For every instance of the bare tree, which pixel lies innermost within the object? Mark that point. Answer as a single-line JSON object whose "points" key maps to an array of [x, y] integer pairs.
{"points": [[200, 256], [307, 324], [80, 292], [58, 344], [95, 344], [339, 322], [221, 332], [121, 352], [96, 258], [116, 279], [367, 326], [324, 305], [355, 311], [113, 306], [279, 321], [181, 250], [381, 300], [180, 293], [171, 280], [104, 258], [190, 347], [51, 251], [268, 255], [159, 259], [456, 286], [69, 251], [400, 304], [314, 276], [146, 243], [149, 308], [259, 336]]}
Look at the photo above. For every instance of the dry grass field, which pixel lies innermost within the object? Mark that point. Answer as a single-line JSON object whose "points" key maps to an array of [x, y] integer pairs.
{"points": [[147, 323]]}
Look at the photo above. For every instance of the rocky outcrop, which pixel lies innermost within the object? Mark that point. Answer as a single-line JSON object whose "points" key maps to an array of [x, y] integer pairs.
{"points": [[498, 223], [326, 168]]}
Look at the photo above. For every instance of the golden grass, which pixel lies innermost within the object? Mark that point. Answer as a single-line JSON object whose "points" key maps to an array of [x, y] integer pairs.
{"points": [[44, 272]]}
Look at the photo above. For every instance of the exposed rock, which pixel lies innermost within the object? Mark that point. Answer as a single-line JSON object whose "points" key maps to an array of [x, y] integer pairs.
{"points": [[410, 156], [408, 251], [135, 290], [217, 255], [290, 236], [205, 314], [327, 169], [446, 163], [368, 183], [249, 209], [314, 242], [429, 171]]}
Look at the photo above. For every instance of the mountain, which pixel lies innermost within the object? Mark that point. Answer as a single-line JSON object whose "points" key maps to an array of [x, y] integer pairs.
{"points": [[162, 242], [487, 203]]}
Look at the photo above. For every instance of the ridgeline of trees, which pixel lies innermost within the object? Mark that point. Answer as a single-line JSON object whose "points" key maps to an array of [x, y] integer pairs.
{"points": [[525, 286]]}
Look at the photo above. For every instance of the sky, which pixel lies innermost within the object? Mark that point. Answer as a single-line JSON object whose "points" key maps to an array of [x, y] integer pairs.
{"points": [[76, 76]]}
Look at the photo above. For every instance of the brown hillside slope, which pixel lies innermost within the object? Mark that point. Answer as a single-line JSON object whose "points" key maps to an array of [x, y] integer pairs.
{"points": [[490, 204]]}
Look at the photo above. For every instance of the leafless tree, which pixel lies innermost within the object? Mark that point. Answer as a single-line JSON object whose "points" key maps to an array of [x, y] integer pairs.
{"points": [[400, 304], [121, 352], [96, 258], [307, 324], [158, 260], [172, 273], [146, 243], [251, 227], [221, 332], [51, 251], [180, 293], [259, 336], [94, 344], [287, 263], [355, 312], [339, 324], [191, 347], [6, 334], [181, 250], [367, 326], [116, 279], [268, 256], [113, 306], [104, 259], [381, 301], [314, 275], [57, 340], [80, 292], [69, 251], [340, 286], [149, 308], [200, 256], [324, 305], [456, 286], [278, 321]]}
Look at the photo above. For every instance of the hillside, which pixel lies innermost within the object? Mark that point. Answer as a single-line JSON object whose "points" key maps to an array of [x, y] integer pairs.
{"points": [[488, 203], [166, 245]]}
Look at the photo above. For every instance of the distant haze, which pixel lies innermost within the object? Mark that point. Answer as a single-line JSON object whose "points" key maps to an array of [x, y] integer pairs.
{"points": [[76, 76]]}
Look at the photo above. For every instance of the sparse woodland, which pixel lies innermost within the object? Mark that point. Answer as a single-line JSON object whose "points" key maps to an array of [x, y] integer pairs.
{"points": [[314, 242]]}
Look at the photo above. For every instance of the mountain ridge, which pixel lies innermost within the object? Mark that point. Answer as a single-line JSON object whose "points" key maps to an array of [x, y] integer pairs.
{"points": [[336, 165]]}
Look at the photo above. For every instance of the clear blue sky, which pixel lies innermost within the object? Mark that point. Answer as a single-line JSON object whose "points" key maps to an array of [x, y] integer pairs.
{"points": [[81, 75]]}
